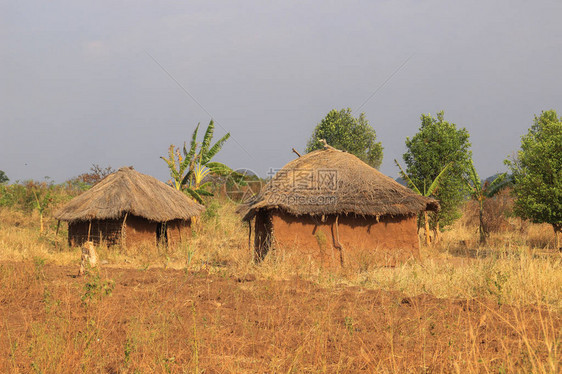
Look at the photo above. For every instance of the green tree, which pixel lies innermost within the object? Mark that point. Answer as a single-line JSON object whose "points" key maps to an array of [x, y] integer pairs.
{"points": [[427, 192], [189, 170], [537, 173], [481, 191], [3, 177], [437, 144], [354, 135]]}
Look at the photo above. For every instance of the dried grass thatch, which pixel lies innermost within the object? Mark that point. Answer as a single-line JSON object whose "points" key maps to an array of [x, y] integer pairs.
{"points": [[128, 191], [330, 181]]}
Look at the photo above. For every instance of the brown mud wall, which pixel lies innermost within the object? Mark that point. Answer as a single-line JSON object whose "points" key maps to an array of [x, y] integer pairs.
{"points": [[139, 230], [107, 231], [354, 242], [178, 230]]}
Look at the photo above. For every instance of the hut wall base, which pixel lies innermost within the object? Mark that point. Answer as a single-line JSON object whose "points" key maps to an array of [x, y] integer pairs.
{"points": [[364, 242]]}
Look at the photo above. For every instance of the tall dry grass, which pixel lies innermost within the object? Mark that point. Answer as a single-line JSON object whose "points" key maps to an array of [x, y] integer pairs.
{"points": [[515, 267]]}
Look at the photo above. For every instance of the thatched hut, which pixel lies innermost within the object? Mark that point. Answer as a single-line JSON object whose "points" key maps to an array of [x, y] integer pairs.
{"points": [[129, 207], [336, 210]]}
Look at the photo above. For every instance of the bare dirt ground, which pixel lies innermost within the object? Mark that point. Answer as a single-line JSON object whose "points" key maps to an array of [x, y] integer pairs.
{"points": [[157, 320]]}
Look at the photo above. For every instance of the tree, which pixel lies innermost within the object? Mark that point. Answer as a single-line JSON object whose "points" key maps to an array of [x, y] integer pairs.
{"points": [[537, 173], [437, 144], [3, 177], [96, 174], [427, 192], [481, 191], [354, 135], [188, 172]]}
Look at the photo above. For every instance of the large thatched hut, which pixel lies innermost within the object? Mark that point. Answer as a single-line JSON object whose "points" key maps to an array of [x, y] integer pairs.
{"points": [[129, 208], [333, 208]]}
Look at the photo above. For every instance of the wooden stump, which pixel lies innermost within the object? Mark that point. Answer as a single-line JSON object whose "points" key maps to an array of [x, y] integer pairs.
{"points": [[89, 257]]}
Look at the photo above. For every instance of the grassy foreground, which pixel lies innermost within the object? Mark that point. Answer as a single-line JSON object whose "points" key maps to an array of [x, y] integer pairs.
{"points": [[206, 307]]}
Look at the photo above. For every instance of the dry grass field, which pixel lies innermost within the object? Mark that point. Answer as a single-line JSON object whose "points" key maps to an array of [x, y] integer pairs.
{"points": [[205, 307]]}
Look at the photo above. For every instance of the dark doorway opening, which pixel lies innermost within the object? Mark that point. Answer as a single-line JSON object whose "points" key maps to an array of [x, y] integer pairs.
{"points": [[263, 235], [162, 233]]}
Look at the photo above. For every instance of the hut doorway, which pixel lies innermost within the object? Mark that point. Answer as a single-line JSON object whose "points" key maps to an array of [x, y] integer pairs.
{"points": [[263, 235], [162, 233]]}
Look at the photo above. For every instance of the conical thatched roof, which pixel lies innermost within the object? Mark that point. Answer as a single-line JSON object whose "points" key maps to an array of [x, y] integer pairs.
{"points": [[127, 190], [330, 181]]}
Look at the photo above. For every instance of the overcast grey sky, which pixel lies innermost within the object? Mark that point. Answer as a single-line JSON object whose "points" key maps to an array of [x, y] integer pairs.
{"points": [[78, 85]]}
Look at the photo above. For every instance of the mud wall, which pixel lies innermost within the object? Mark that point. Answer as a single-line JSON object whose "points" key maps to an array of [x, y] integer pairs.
{"points": [[139, 230], [357, 242], [107, 231], [178, 230]]}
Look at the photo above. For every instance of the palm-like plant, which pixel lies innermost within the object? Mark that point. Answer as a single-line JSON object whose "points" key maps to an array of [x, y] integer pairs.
{"points": [[43, 198], [480, 192], [427, 192], [188, 171]]}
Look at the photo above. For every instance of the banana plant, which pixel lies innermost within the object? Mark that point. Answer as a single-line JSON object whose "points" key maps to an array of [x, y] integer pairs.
{"points": [[43, 198], [188, 170], [427, 192], [480, 192]]}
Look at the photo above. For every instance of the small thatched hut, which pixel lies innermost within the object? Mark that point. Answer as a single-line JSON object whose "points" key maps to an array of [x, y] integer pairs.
{"points": [[336, 210], [129, 207]]}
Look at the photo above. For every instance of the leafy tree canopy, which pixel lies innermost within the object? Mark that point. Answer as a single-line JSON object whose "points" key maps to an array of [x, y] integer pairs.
{"points": [[354, 135], [437, 144], [537, 172], [3, 177]]}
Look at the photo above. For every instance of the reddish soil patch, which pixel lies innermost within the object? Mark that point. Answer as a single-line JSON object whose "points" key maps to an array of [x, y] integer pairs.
{"points": [[172, 321]]}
